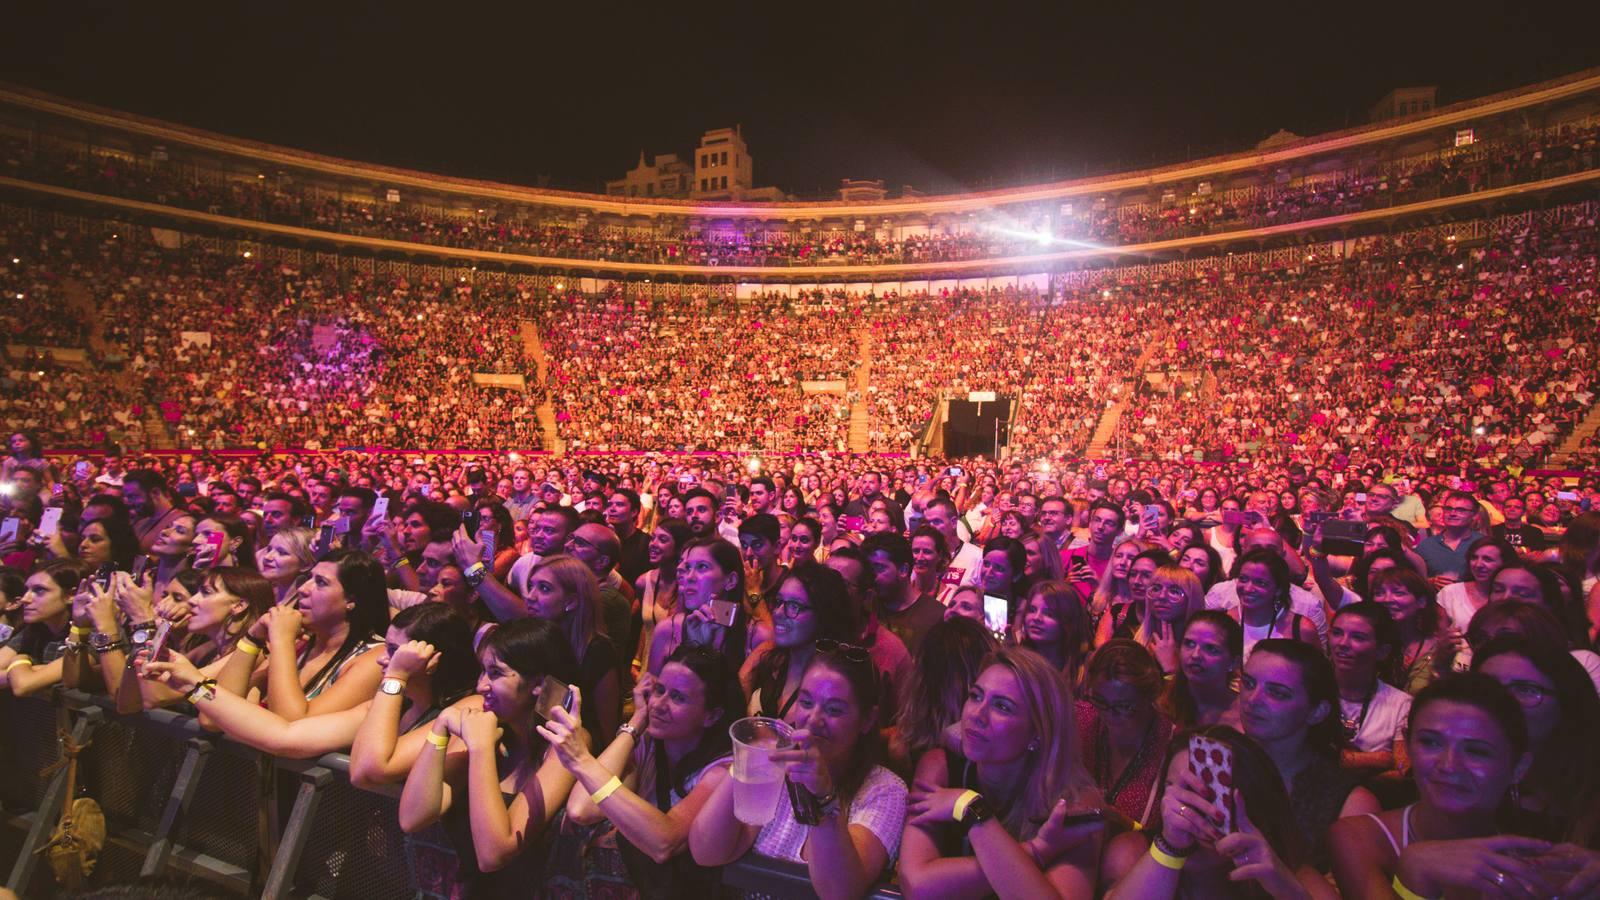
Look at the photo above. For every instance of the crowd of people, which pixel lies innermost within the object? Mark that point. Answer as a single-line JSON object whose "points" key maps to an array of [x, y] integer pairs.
{"points": [[1419, 344], [1358, 676], [1512, 157]]}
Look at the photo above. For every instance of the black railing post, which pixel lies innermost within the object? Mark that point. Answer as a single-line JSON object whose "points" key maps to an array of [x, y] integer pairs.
{"points": [[287, 859], [194, 761], [55, 798]]}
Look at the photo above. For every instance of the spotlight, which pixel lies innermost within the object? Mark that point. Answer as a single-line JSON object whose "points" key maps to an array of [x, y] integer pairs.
{"points": [[754, 465], [15, 261], [247, 254]]}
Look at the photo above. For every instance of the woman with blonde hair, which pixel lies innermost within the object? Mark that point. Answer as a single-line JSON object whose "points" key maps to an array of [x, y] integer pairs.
{"points": [[994, 811], [289, 555], [1173, 596], [563, 591], [1113, 595]]}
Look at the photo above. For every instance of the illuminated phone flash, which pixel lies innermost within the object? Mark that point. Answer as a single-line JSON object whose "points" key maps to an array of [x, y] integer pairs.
{"points": [[754, 465]]}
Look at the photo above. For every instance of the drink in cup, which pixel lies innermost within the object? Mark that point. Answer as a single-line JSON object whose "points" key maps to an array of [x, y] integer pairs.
{"points": [[757, 780]]}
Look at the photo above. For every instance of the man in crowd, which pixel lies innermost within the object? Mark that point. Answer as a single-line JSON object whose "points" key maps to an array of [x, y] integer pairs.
{"points": [[1516, 530], [597, 547], [1445, 552], [1086, 565], [907, 613], [758, 542], [621, 514], [521, 500], [968, 557], [700, 509], [151, 504]]}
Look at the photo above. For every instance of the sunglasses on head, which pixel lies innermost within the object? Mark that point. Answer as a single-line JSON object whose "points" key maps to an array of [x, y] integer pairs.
{"points": [[847, 652]]}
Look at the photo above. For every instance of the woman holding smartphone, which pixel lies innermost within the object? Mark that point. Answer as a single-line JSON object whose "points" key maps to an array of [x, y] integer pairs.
{"points": [[487, 772], [657, 774], [861, 805], [563, 591], [223, 541], [1184, 851], [711, 593], [1171, 598], [207, 613], [996, 816]]}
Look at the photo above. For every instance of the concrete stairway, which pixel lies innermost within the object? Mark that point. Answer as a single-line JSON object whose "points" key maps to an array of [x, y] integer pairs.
{"points": [[1586, 426], [533, 349], [1100, 441], [860, 421]]}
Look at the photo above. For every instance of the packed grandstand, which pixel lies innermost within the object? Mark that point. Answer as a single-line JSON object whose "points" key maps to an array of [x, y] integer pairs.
{"points": [[221, 356]]}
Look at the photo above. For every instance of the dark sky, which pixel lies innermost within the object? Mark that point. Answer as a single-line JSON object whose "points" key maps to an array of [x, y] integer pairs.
{"points": [[571, 91]]}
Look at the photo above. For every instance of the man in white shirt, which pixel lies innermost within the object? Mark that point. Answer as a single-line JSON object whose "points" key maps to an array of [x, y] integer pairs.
{"points": [[968, 558]]}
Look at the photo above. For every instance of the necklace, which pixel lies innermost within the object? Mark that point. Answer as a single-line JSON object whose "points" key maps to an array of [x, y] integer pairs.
{"points": [[1352, 724]]}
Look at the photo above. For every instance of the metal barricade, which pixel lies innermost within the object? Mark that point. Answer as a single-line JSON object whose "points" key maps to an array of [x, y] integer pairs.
{"points": [[181, 801]]}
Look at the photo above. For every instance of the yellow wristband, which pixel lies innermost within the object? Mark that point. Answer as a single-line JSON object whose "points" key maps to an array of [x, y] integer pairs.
{"points": [[19, 661], [81, 631], [959, 811], [248, 647], [1167, 859], [1403, 892], [438, 740], [606, 790]]}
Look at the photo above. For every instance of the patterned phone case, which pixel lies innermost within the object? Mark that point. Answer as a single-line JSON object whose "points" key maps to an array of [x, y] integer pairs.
{"points": [[1213, 762]]}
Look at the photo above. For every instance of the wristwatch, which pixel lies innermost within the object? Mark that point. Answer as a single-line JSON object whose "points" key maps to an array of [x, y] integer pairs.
{"points": [[142, 633], [392, 686], [475, 574], [102, 642], [628, 729]]}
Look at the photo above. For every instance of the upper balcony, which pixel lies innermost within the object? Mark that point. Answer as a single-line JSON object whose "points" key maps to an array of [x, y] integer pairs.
{"points": [[1542, 137]]}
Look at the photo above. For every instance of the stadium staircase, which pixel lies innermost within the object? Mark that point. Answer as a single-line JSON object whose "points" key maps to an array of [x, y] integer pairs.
{"points": [[860, 422], [533, 349], [1587, 426], [81, 301], [1100, 441]]}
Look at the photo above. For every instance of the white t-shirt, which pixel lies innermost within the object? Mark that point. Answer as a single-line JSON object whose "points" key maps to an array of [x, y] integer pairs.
{"points": [[1225, 595], [1385, 718], [517, 578], [879, 806], [1457, 605], [969, 559]]}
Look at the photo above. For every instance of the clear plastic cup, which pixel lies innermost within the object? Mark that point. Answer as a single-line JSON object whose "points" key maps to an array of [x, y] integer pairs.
{"points": [[757, 780]]}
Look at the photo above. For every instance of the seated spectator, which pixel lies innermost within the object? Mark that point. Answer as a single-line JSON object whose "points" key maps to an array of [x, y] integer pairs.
{"points": [[812, 610], [836, 729], [31, 660]]}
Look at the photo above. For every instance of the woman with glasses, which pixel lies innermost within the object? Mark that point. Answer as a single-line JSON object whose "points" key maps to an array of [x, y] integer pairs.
{"points": [[1468, 744], [1171, 598], [855, 807], [812, 607], [1122, 730], [991, 816], [1560, 797]]}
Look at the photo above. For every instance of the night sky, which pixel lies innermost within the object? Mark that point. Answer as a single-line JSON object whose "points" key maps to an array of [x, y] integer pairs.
{"points": [[997, 94]]}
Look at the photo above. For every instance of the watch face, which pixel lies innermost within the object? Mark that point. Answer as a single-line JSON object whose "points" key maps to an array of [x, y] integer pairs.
{"points": [[392, 686], [142, 636]]}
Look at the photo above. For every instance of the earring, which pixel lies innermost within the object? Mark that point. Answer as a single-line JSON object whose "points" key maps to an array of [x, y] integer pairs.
{"points": [[1033, 747]]}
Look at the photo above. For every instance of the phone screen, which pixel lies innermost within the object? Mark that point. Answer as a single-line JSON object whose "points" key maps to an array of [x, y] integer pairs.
{"points": [[9, 529], [995, 610], [489, 537], [50, 522], [1233, 517]]}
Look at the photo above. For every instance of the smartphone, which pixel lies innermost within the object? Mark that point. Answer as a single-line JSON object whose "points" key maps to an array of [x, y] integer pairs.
{"points": [[308, 521], [158, 643], [1361, 499], [1150, 517], [1343, 537], [324, 541], [1083, 818], [852, 523], [50, 522], [56, 489], [1567, 496], [1233, 517], [140, 564], [380, 508], [955, 470], [1318, 516], [489, 537], [724, 612], [215, 540], [1212, 760], [996, 611], [1100, 473], [552, 694], [469, 521], [730, 494], [80, 470], [9, 529], [102, 576]]}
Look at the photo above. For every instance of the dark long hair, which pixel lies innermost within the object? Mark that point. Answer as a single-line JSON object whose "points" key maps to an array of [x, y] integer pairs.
{"points": [[722, 692], [534, 648], [1316, 677], [1279, 569], [1178, 700], [1256, 782], [1565, 767], [833, 612], [681, 536], [450, 634], [1570, 613], [236, 529], [947, 663], [730, 561], [1384, 632], [862, 677], [367, 588]]}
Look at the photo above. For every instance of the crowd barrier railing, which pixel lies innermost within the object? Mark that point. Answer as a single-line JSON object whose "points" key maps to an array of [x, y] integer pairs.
{"points": [[184, 802]]}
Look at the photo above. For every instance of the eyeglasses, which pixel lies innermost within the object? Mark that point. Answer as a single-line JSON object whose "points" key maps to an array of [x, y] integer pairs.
{"points": [[847, 652], [1528, 693], [1122, 710], [791, 609], [1460, 510]]}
